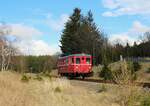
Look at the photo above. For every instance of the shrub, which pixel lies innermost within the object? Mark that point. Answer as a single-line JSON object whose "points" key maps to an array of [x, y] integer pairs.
{"points": [[134, 66], [106, 73], [125, 74], [57, 89], [47, 75], [145, 101], [25, 78], [38, 77], [148, 70]]}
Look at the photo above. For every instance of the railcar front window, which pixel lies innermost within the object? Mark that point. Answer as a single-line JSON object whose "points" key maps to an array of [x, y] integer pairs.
{"points": [[88, 60], [77, 60], [66, 61]]}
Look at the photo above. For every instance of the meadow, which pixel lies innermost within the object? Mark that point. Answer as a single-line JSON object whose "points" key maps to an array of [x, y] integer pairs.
{"points": [[15, 91]]}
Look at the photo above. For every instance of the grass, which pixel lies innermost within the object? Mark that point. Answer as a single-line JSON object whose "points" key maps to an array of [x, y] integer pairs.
{"points": [[145, 101], [103, 88], [148, 70], [142, 75], [59, 92], [38, 77], [42, 93], [25, 78], [57, 89]]}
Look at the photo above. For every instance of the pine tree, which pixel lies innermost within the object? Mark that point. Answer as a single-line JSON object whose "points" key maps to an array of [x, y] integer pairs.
{"points": [[81, 35], [127, 50], [68, 38], [90, 38], [135, 50], [106, 73]]}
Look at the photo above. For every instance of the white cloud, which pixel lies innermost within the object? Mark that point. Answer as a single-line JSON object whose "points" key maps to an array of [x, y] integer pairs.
{"points": [[122, 38], [28, 43], [26, 40], [23, 31], [111, 4], [56, 24], [131, 35], [126, 7], [138, 27], [36, 47], [109, 14], [27, 36]]}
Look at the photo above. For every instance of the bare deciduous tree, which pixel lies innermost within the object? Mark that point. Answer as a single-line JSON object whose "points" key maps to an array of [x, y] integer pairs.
{"points": [[6, 49]]}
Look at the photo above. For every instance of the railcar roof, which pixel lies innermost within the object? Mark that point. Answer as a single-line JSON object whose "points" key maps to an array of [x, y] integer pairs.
{"points": [[79, 55], [82, 54]]}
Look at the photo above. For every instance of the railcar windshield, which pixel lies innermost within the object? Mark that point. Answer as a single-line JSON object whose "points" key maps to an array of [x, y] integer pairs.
{"points": [[88, 60], [67, 61]]}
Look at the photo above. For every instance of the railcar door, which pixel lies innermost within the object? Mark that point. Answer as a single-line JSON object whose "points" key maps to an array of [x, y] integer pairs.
{"points": [[83, 65], [78, 62]]}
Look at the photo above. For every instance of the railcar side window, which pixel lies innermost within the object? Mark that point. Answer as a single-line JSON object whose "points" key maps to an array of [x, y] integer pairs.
{"points": [[77, 60], [88, 60], [72, 60]]}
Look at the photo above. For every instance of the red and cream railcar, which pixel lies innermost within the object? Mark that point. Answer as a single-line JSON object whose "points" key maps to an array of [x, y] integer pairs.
{"points": [[75, 65]]}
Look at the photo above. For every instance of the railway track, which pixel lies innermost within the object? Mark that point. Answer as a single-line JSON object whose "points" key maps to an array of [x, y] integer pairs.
{"points": [[143, 84]]}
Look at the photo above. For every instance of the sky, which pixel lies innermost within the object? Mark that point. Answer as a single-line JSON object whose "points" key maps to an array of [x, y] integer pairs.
{"points": [[38, 24]]}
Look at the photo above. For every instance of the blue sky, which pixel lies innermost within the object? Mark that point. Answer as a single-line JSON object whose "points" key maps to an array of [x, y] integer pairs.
{"points": [[38, 23]]}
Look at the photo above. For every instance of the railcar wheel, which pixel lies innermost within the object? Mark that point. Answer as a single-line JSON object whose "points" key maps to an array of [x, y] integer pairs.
{"points": [[83, 77], [70, 76], [61, 74]]}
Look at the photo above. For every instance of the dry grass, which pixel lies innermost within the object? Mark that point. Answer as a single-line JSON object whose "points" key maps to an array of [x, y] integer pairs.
{"points": [[142, 75], [14, 92]]}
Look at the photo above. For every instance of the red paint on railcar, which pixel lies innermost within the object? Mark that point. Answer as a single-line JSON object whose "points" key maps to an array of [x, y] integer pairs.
{"points": [[75, 65]]}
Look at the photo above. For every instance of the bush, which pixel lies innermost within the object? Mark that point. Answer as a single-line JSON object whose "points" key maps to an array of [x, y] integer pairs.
{"points": [[134, 66], [57, 89], [106, 73], [38, 77], [47, 75], [25, 78], [125, 74], [145, 101], [148, 70]]}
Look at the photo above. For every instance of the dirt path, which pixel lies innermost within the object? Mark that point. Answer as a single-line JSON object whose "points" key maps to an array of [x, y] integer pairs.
{"points": [[86, 85]]}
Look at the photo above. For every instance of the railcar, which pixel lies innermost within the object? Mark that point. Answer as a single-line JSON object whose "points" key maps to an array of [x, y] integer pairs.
{"points": [[75, 65]]}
